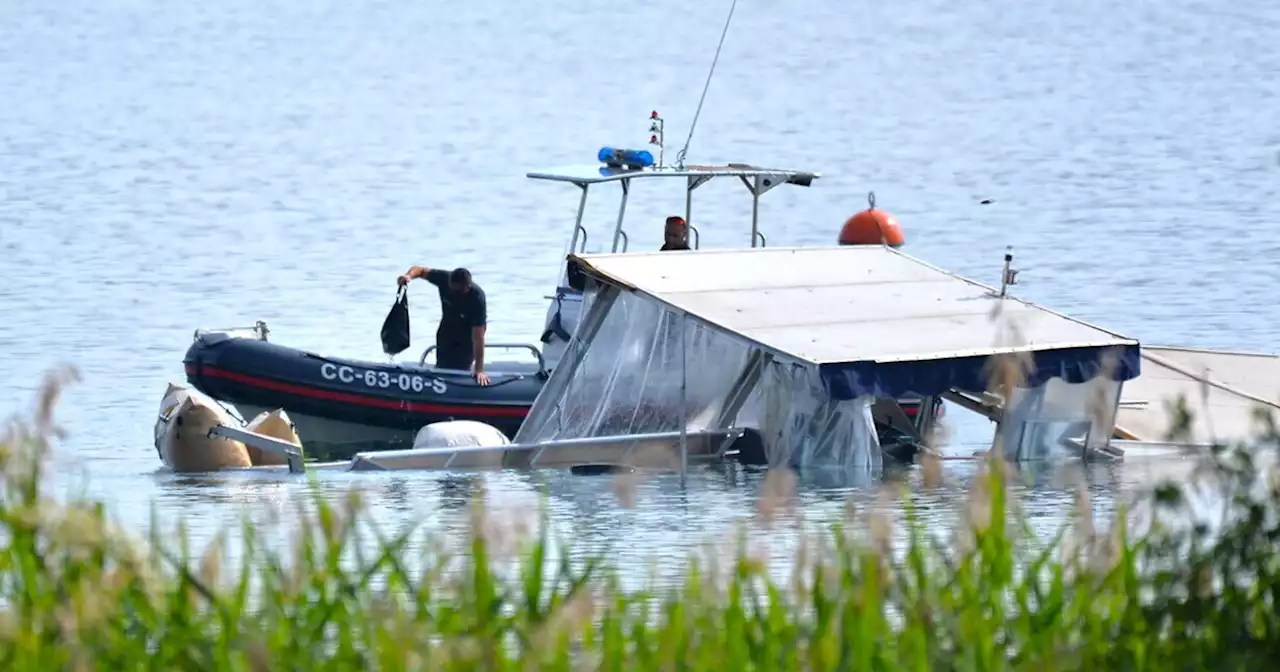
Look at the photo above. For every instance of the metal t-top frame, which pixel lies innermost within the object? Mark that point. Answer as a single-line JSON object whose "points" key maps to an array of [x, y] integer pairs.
{"points": [[757, 180]]}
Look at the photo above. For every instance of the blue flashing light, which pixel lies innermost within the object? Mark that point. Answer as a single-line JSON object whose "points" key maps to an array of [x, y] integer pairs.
{"points": [[629, 158]]}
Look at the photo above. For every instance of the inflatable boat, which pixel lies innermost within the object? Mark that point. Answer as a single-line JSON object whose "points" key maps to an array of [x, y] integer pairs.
{"points": [[343, 406]]}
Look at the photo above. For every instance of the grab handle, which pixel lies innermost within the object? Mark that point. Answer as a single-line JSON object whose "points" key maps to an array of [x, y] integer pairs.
{"points": [[537, 354]]}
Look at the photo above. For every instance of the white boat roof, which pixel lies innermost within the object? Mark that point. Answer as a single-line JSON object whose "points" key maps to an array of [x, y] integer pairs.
{"points": [[856, 308], [598, 172], [1222, 389]]}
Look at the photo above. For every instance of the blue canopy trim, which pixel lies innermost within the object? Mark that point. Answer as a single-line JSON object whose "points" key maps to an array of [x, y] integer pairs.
{"points": [[933, 377]]}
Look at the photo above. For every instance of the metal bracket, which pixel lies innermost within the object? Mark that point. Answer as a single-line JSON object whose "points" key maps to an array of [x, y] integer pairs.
{"points": [[696, 181], [1010, 275], [270, 444]]}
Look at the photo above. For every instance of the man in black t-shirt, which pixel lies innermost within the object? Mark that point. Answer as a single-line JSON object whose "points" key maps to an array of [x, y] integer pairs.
{"points": [[463, 318]]}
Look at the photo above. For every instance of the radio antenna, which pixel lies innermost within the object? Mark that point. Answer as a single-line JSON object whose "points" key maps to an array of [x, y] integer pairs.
{"points": [[684, 150]]}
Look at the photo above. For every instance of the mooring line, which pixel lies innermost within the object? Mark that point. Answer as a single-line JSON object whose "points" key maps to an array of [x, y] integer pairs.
{"points": [[705, 87]]}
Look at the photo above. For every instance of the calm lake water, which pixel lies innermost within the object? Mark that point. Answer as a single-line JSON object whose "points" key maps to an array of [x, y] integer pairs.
{"points": [[169, 166]]}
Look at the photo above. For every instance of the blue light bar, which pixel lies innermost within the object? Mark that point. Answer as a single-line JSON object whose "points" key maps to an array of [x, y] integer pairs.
{"points": [[628, 158]]}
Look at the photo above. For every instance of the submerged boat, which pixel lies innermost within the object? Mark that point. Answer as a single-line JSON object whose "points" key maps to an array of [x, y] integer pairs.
{"points": [[341, 406], [673, 367]]}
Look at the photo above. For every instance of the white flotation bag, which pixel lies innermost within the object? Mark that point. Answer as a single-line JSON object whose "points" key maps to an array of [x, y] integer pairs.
{"points": [[457, 433], [275, 424], [182, 433]]}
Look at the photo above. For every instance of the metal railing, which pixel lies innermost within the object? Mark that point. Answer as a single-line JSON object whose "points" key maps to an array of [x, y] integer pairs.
{"points": [[537, 354]]}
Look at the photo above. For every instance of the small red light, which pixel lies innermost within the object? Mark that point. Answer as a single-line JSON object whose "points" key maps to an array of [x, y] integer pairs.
{"points": [[653, 115], [653, 139]]}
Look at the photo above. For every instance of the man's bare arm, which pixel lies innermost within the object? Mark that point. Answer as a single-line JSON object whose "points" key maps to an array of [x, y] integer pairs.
{"points": [[414, 273], [434, 276], [477, 338]]}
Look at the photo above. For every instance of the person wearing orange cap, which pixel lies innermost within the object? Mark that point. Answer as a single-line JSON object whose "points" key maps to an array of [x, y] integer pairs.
{"points": [[675, 234]]}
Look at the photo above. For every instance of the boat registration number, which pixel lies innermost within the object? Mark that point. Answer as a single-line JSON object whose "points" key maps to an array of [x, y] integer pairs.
{"points": [[406, 382]]}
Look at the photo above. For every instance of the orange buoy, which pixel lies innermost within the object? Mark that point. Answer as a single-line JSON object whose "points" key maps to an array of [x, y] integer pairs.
{"points": [[872, 227]]}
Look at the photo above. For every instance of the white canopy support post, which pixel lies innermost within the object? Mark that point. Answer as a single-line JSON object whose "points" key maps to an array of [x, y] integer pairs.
{"points": [[688, 213], [758, 185], [693, 182], [755, 211], [618, 233], [577, 223], [688, 200]]}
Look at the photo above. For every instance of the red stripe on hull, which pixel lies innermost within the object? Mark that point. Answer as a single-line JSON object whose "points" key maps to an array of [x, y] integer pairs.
{"points": [[363, 400]]}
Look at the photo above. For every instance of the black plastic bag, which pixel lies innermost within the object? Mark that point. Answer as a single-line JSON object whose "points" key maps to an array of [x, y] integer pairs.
{"points": [[395, 329]]}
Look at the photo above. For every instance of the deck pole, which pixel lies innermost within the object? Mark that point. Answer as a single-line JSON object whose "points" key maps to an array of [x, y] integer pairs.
{"points": [[577, 223], [618, 233], [755, 210], [688, 201]]}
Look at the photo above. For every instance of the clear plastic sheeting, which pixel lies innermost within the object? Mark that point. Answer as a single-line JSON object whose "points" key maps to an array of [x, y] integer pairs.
{"points": [[626, 379], [803, 427], [1042, 421]]}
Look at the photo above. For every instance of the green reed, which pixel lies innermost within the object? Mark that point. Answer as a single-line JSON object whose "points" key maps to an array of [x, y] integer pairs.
{"points": [[78, 593]]}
